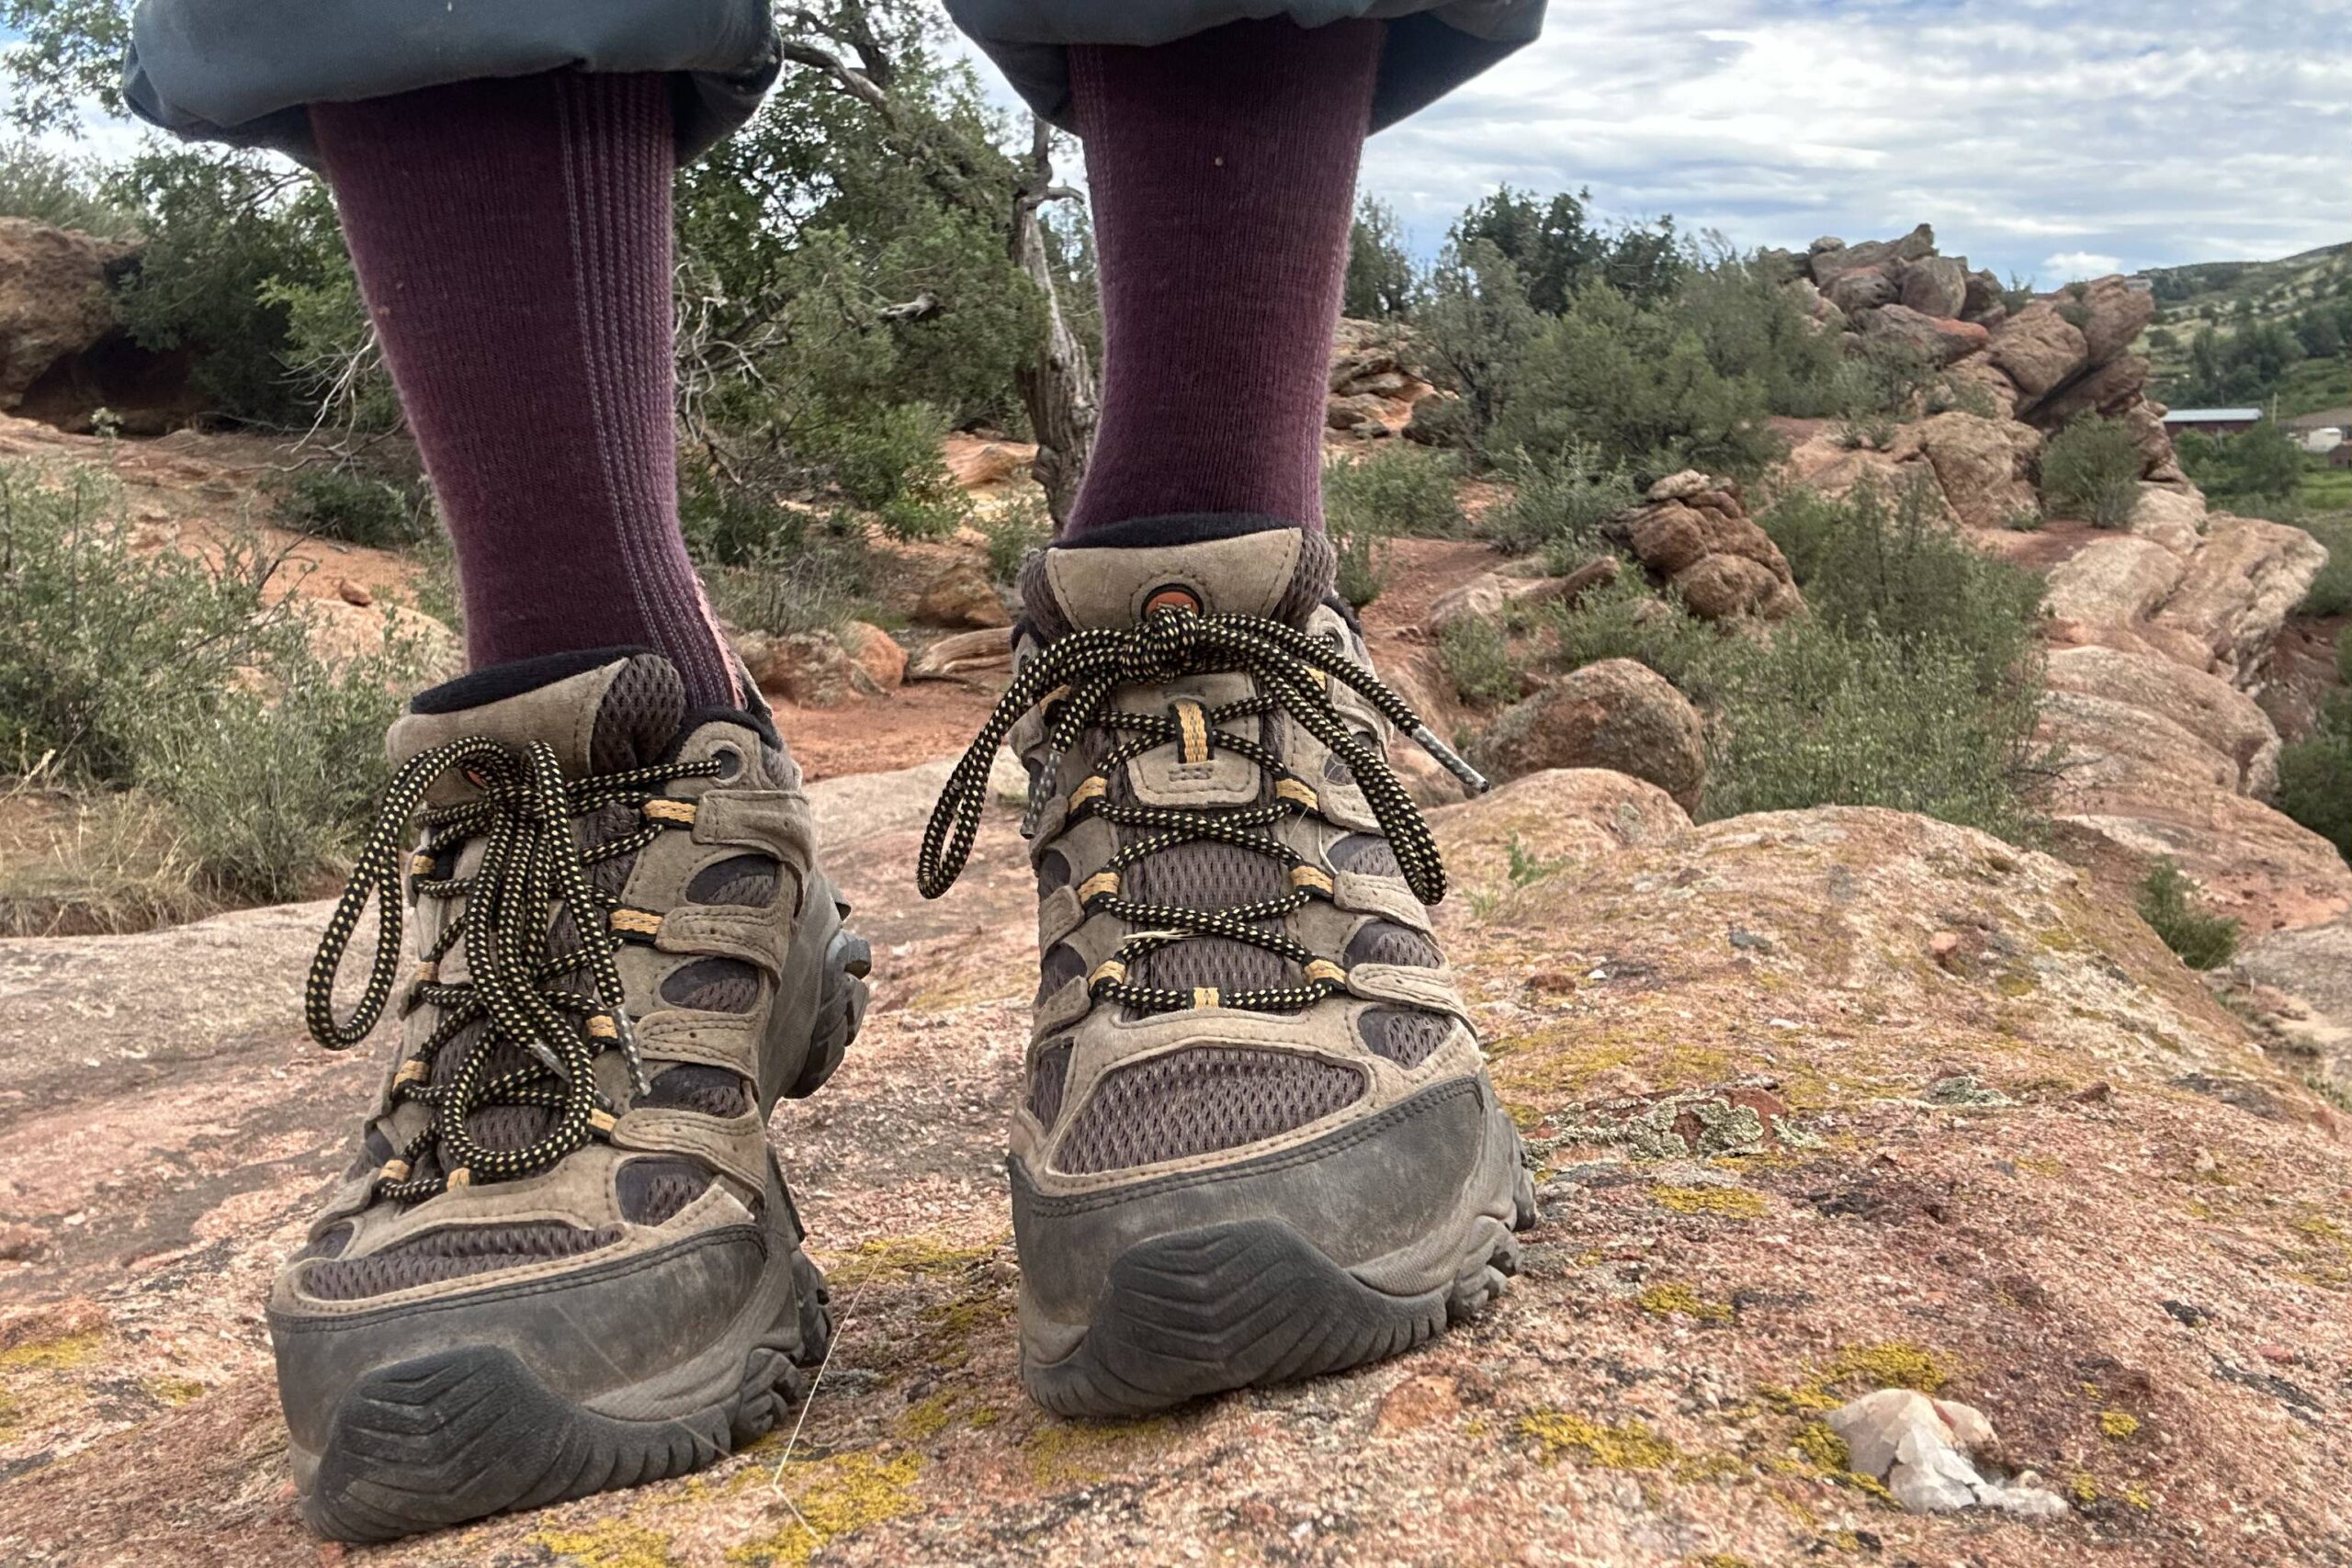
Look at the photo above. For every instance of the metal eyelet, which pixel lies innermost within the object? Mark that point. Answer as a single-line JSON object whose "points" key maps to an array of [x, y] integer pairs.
{"points": [[730, 761]]}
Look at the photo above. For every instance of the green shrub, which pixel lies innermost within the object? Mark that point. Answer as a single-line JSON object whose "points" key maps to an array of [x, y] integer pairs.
{"points": [[1817, 714], [1636, 381], [888, 461], [1363, 548], [1894, 566], [2168, 901], [2331, 591], [2259, 465], [1475, 656], [2316, 786], [2091, 470], [1753, 326], [333, 503], [825, 577], [1399, 490], [1558, 504], [1626, 620], [63, 192], [1016, 531], [178, 675], [1888, 376]]}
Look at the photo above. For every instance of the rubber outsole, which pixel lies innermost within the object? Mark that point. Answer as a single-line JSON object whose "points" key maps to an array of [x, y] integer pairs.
{"points": [[1252, 1304], [466, 1433]]}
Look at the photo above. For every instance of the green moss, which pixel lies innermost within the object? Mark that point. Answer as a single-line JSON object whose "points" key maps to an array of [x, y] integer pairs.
{"points": [[61, 1354], [833, 1498], [903, 1258]]}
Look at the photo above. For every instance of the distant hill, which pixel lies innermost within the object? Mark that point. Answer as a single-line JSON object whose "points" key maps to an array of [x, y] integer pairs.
{"points": [[2228, 296]]}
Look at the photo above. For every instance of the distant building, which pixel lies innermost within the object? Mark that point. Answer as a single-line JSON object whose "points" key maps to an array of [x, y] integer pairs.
{"points": [[2340, 456], [2321, 442], [2308, 425], [2212, 422]]}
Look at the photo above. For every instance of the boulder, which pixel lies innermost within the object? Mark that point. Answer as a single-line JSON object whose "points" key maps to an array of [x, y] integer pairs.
{"points": [[2113, 314], [1983, 465], [962, 595], [977, 464], [876, 653], [2114, 752], [1978, 372], [1689, 522], [1939, 340], [1936, 286], [1862, 289], [1360, 413], [1438, 420], [1983, 296], [1616, 715], [2039, 350], [1490, 595], [2105, 592], [2173, 518], [2109, 389], [1830, 263], [809, 670], [2243, 581], [53, 304], [1726, 587], [2205, 706]]}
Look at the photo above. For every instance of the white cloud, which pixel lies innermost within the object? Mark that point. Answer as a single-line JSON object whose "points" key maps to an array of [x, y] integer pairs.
{"points": [[2070, 267], [2035, 134]]}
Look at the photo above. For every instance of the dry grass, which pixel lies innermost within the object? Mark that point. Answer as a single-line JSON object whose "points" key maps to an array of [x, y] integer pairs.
{"points": [[82, 865]]}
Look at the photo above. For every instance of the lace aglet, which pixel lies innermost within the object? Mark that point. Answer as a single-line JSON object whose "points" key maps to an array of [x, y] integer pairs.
{"points": [[1451, 761]]}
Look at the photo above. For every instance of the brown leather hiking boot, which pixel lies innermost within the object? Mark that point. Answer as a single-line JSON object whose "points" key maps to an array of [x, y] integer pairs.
{"points": [[1259, 1142], [565, 1259]]}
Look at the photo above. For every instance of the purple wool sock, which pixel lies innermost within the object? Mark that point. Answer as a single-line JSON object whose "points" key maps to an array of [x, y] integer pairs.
{"points": [[1223, 173], [513, 240]]}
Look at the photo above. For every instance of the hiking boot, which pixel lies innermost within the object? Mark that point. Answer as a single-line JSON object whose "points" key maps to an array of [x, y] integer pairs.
{"points": [[565, 1259], [1258, 1142]]}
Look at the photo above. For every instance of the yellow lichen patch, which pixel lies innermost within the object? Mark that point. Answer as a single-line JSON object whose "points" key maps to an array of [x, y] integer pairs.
{"points": [[949, 1326], [1727, 1203], [2084, 1489], [2137, 1496], [612, 1543], [905, 1256], [1892, 1364], [1672, 1297], [1066, 1454], [926, 1418], [832, 1498], [173, 1391], [2039, 1165], [1804, 1399], [1823, 1449], [2117, 1425], [1631, 1446], [61, 1354]]}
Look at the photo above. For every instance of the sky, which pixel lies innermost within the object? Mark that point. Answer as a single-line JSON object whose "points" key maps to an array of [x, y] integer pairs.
{"points": [[2050, 138], [2055, 138]]}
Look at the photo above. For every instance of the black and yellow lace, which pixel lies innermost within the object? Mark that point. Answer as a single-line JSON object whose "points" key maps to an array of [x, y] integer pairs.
{"points": [[1075, 677], [523, 811]]}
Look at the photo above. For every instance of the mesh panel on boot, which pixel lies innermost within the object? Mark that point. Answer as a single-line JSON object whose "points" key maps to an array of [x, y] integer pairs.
{"points": [[738, 879], [640, 717], [1199, 1101], [1405, 1035], [651, 1191], [453, 1253], [713, 985], [712, 1091], [1385, 941], [1366, 854], [1046, 1081]]}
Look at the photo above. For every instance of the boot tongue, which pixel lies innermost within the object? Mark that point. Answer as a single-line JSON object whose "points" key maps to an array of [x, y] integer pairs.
{"points": [[602, 712], [1277, 572]]}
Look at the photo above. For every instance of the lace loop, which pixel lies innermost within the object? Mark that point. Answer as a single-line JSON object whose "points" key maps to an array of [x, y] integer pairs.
{"points": [[532, 864], [1075, 678]]}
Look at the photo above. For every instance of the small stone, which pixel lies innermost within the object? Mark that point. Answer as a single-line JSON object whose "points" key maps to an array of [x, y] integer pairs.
{"points": [[1748, 942], [1942, 945], [352, 592]]}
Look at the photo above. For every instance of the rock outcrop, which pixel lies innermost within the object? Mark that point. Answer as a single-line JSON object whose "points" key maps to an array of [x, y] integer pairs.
{"points": [[1823, 1103], [1692, 534], [1374, 392], [53, 304], [1617, 715]]}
